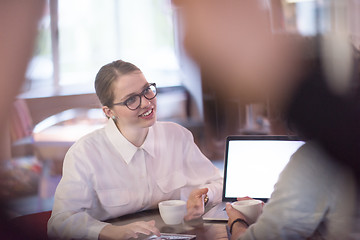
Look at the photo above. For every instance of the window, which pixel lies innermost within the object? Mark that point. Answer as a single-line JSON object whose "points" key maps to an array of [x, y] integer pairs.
{"points": [[40, 68], [93, 33]]}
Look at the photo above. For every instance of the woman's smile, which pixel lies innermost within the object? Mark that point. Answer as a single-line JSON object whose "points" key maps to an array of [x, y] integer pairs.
{"points": [[148, 114]]}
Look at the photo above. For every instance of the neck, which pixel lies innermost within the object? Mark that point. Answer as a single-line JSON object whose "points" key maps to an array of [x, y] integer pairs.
{"points": [[136, 136]]}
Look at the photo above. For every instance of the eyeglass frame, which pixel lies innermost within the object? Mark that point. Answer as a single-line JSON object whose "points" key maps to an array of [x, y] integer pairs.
{"points": [[140, 95]]}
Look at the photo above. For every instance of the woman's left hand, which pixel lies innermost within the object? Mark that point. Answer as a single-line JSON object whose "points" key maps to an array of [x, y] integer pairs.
{"points": [[195, 204]]}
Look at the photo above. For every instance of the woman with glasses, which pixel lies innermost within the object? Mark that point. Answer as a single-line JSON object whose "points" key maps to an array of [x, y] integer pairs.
{"points": [[130, 165]]}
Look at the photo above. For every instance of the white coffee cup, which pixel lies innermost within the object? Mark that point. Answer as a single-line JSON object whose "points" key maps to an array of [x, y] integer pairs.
{"points": [[172, 212], [251, 209]]}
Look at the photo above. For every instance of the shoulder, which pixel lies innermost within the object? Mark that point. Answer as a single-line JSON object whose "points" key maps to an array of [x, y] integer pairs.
{"points": [[311, 165], [85, 152], [311, 155], [171, 128], [89, 142], [171, 132]]}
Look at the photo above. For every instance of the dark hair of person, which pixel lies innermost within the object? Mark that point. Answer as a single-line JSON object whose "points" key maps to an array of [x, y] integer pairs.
{"points": [[333, 120], [107, 75]]}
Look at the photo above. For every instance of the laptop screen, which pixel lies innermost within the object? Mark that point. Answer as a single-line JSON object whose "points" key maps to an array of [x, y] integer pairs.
{"points": [[253, 164]]}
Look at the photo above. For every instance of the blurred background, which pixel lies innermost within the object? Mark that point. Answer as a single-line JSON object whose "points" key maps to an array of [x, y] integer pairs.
{"points": [[57, 103]]}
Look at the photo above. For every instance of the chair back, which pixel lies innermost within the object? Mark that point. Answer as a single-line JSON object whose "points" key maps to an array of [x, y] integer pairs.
{"points": [[31, 226]]}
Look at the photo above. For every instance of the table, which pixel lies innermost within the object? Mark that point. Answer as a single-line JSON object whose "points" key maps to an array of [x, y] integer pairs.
{"points": [[202, 229]]}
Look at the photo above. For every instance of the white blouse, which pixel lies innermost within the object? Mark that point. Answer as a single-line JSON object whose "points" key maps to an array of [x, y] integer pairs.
{"points": [[105, 176]]}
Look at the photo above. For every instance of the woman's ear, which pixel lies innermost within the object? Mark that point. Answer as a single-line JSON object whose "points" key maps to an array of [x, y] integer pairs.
{"points": [[107, 111]]}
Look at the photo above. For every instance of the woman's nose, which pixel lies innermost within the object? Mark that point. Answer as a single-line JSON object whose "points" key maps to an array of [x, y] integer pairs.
{"points": [[144, 102]]}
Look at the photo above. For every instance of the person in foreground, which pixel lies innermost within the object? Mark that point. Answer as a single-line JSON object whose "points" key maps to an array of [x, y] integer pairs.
{"points": [[252, 59], [130, 165], [314, 198]]}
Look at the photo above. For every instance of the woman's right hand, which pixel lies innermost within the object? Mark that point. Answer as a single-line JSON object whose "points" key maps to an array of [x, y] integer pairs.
{"points": [[128, 231]]}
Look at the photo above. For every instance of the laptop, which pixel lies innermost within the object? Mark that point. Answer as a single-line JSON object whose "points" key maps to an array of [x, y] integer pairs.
{"points": [[251, 168]]}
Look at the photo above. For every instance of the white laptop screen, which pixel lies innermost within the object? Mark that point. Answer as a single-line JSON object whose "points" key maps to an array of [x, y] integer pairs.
{"points": [[253, 164]]}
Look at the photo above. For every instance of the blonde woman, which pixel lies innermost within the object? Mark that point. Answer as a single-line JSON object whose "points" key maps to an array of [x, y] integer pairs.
{"points": [[130, 165]]}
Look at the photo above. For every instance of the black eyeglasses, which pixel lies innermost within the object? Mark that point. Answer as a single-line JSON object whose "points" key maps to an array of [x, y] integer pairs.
{"points": [[134, 101]]}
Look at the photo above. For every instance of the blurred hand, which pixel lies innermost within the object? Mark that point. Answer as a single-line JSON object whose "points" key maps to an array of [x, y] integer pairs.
{"points": [[128, 231], [248, 198], [233, 214], [244, 198], [195, 204]]}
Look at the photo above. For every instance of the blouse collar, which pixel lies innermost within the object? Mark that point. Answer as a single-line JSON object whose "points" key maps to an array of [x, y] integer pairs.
{"points": [[125, 148]]}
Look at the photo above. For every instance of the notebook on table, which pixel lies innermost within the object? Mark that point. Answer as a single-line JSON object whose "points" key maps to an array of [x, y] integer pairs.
{"points": [[251, 168]]}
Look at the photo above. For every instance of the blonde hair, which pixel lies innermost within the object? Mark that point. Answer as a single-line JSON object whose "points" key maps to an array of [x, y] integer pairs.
{"points": [[107, 75]]}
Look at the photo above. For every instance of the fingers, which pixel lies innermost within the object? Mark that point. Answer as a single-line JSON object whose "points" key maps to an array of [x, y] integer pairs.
{"points": [[154, 229], [228, 206], [149, 227], [195, 204], [248, 198], [229, 209], [233, 213], [197, 195], [244, 198], [193, 213], [196, 198], [188, 217], [199, 192], [203, 191], [192, 216], [146, 228]]}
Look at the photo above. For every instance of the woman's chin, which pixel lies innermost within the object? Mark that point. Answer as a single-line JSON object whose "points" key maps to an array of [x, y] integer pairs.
{"points": [[148, 122]]}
